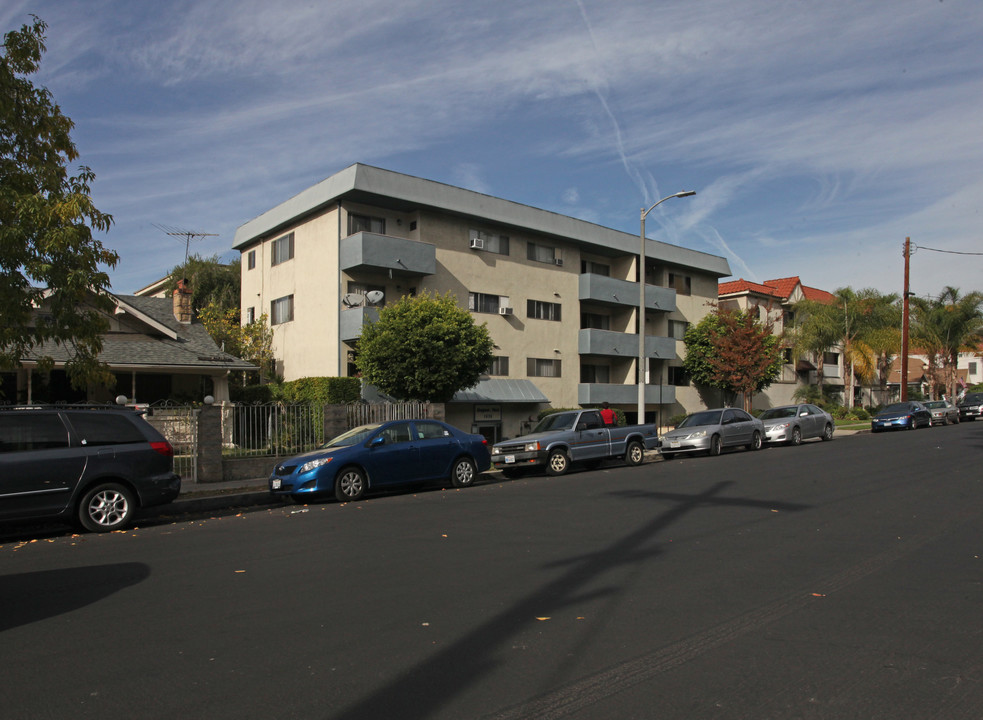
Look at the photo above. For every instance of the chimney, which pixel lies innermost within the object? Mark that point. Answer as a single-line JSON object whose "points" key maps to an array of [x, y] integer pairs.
{"points": [[182, 302]]}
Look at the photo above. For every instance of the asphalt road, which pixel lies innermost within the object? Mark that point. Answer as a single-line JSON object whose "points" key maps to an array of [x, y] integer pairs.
{"points": [[832, 580]]}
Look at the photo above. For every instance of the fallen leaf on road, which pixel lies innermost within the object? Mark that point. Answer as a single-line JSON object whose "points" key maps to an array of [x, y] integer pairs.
{"points": [[542, 618], [818, 595]]}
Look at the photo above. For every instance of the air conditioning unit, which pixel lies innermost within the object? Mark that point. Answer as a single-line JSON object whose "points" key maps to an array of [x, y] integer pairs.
{"points": [[558, 262], [477, 244], [505, 310]]}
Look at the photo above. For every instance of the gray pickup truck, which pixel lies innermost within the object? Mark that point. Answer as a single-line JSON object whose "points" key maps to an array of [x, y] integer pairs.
{"points": [[576, 436]]}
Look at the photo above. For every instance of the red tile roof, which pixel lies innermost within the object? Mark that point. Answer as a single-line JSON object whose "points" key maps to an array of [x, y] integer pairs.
{"points": [[780, 288]]}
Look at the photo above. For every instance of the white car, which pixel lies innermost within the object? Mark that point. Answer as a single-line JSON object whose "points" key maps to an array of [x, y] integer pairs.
{"points": [[791, 424]]}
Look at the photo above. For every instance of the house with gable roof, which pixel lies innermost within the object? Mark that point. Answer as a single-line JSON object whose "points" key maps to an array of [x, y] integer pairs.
{"points": [[154, 347], [773, 301]]}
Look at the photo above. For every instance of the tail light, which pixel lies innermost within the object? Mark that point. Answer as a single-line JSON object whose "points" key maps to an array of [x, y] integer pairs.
{"points": [[164, 448]]}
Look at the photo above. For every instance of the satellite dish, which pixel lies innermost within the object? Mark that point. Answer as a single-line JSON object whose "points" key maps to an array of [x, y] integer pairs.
{"points": [[374, 297], [353, 300]]}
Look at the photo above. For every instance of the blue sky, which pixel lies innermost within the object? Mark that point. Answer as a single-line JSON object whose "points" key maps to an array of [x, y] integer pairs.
{"points": [[818, 135]]}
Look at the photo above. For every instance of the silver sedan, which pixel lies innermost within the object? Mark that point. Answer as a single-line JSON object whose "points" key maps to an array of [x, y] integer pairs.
{"points": [[792, 424], [711, 431], [943, 412]]}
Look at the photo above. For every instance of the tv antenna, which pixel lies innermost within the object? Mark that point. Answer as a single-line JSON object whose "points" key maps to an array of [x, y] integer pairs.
{"points": [[188, 236]]}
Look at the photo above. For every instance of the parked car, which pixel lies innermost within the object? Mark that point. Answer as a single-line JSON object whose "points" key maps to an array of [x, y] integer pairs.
{"points": [[943, 412], [711, 431], [901, 416], [92, 465], [398, 452], [971, 406], [792, 424], [575, 436]]}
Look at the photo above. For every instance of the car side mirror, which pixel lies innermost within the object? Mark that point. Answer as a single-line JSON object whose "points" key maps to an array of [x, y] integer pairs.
{"points": [[378, 440]]}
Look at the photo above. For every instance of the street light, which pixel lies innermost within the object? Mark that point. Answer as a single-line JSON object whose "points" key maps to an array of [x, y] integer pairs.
{"points": [[641, 304]]}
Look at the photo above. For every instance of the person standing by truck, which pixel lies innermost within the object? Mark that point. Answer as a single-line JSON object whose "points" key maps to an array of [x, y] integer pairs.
{"points": [[607, 414]]}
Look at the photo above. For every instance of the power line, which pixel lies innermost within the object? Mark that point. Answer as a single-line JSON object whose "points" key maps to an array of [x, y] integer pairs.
{"points": [[950, 252]]}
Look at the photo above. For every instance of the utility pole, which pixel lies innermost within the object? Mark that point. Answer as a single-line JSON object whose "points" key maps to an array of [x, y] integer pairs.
{"points": [[904, 323]]}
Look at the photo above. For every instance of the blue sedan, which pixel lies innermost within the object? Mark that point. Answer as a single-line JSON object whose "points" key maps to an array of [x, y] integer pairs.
{"points": [[902, 416], [398, 452]]}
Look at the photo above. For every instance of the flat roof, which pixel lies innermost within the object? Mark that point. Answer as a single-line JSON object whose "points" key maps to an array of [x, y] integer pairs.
{"points": [[405, 193]]}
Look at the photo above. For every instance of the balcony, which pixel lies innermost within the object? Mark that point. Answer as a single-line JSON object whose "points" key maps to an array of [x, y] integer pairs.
{"points": [[353, 320], [365, 251], [621, 293], [625, 345], [596, 393]]}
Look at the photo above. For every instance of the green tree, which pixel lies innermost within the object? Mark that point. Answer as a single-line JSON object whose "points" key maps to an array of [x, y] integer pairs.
{"points": [[860, 323], [733, 351], [211, 281], [252, 342], [945, 326], [424, 348], [49, 259]]}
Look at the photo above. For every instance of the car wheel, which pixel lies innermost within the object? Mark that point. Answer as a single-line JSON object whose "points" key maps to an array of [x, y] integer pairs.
{"points": [[956, 421], [715, 446], [106, 507], [828, 432], [463, 473], [349, 485], [755, 441], [634, 453], [558, 463], [796, 438]]}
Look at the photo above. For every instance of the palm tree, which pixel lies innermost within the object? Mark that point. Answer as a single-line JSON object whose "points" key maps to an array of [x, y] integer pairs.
{"points": [[860, 323], [945, 326]]}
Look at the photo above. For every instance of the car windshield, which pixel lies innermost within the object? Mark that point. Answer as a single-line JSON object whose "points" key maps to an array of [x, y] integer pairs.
{"points": [[779, 412], [973, 398], [352, 437], [897, 408], [557, 421], [710, 417], [935, 404]]}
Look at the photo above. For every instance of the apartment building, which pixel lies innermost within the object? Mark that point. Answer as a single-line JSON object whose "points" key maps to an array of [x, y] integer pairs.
{"points": [[559, 295], [772, 301]]}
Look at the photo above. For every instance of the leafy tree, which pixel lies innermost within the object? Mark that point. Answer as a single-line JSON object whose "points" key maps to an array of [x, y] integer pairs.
{"points": [[252, 342], [733, 351], [211, 281], [49, 259], [860, 323], [945, 326], [424, 348]]}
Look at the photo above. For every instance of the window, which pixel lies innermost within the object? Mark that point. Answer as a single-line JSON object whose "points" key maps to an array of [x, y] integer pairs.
{"points": [[398, 433], [430, 431], [364, 223], [678, 376], [594, 373], [538, 310], [282, 310], [499, 365], [594, 321], [540, 367], [541, 253], [831, 358], [683, 284], [483, 303], [677, 329], [250, 315], [105, 429], [251, 260], [972, 368], [787, 355], [589, 266], [283, 249], [31, 432], [491, 242]]}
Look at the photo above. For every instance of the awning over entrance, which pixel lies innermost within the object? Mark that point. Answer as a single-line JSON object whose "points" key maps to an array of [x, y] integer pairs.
{"points": [[502, 391]]}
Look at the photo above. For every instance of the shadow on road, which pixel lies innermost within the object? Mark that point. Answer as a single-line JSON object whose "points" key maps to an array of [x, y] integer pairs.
{"points": [[29, 597], [422, 691]]}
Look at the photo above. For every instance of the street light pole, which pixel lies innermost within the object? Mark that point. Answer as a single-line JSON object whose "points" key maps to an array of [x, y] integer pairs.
{"points": [[641, 303]]}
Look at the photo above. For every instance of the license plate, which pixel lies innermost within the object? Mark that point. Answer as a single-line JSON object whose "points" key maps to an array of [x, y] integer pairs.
{"points": [[276, 484], [674, 443], [509, 459]]}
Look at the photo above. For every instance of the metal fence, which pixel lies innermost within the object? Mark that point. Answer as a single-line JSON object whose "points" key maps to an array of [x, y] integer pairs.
{"points": [[271, 429], [362, 413], [179, 424]]}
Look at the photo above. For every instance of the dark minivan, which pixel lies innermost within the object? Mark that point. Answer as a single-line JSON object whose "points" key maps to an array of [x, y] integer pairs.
{"points": [[91, 465]]}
